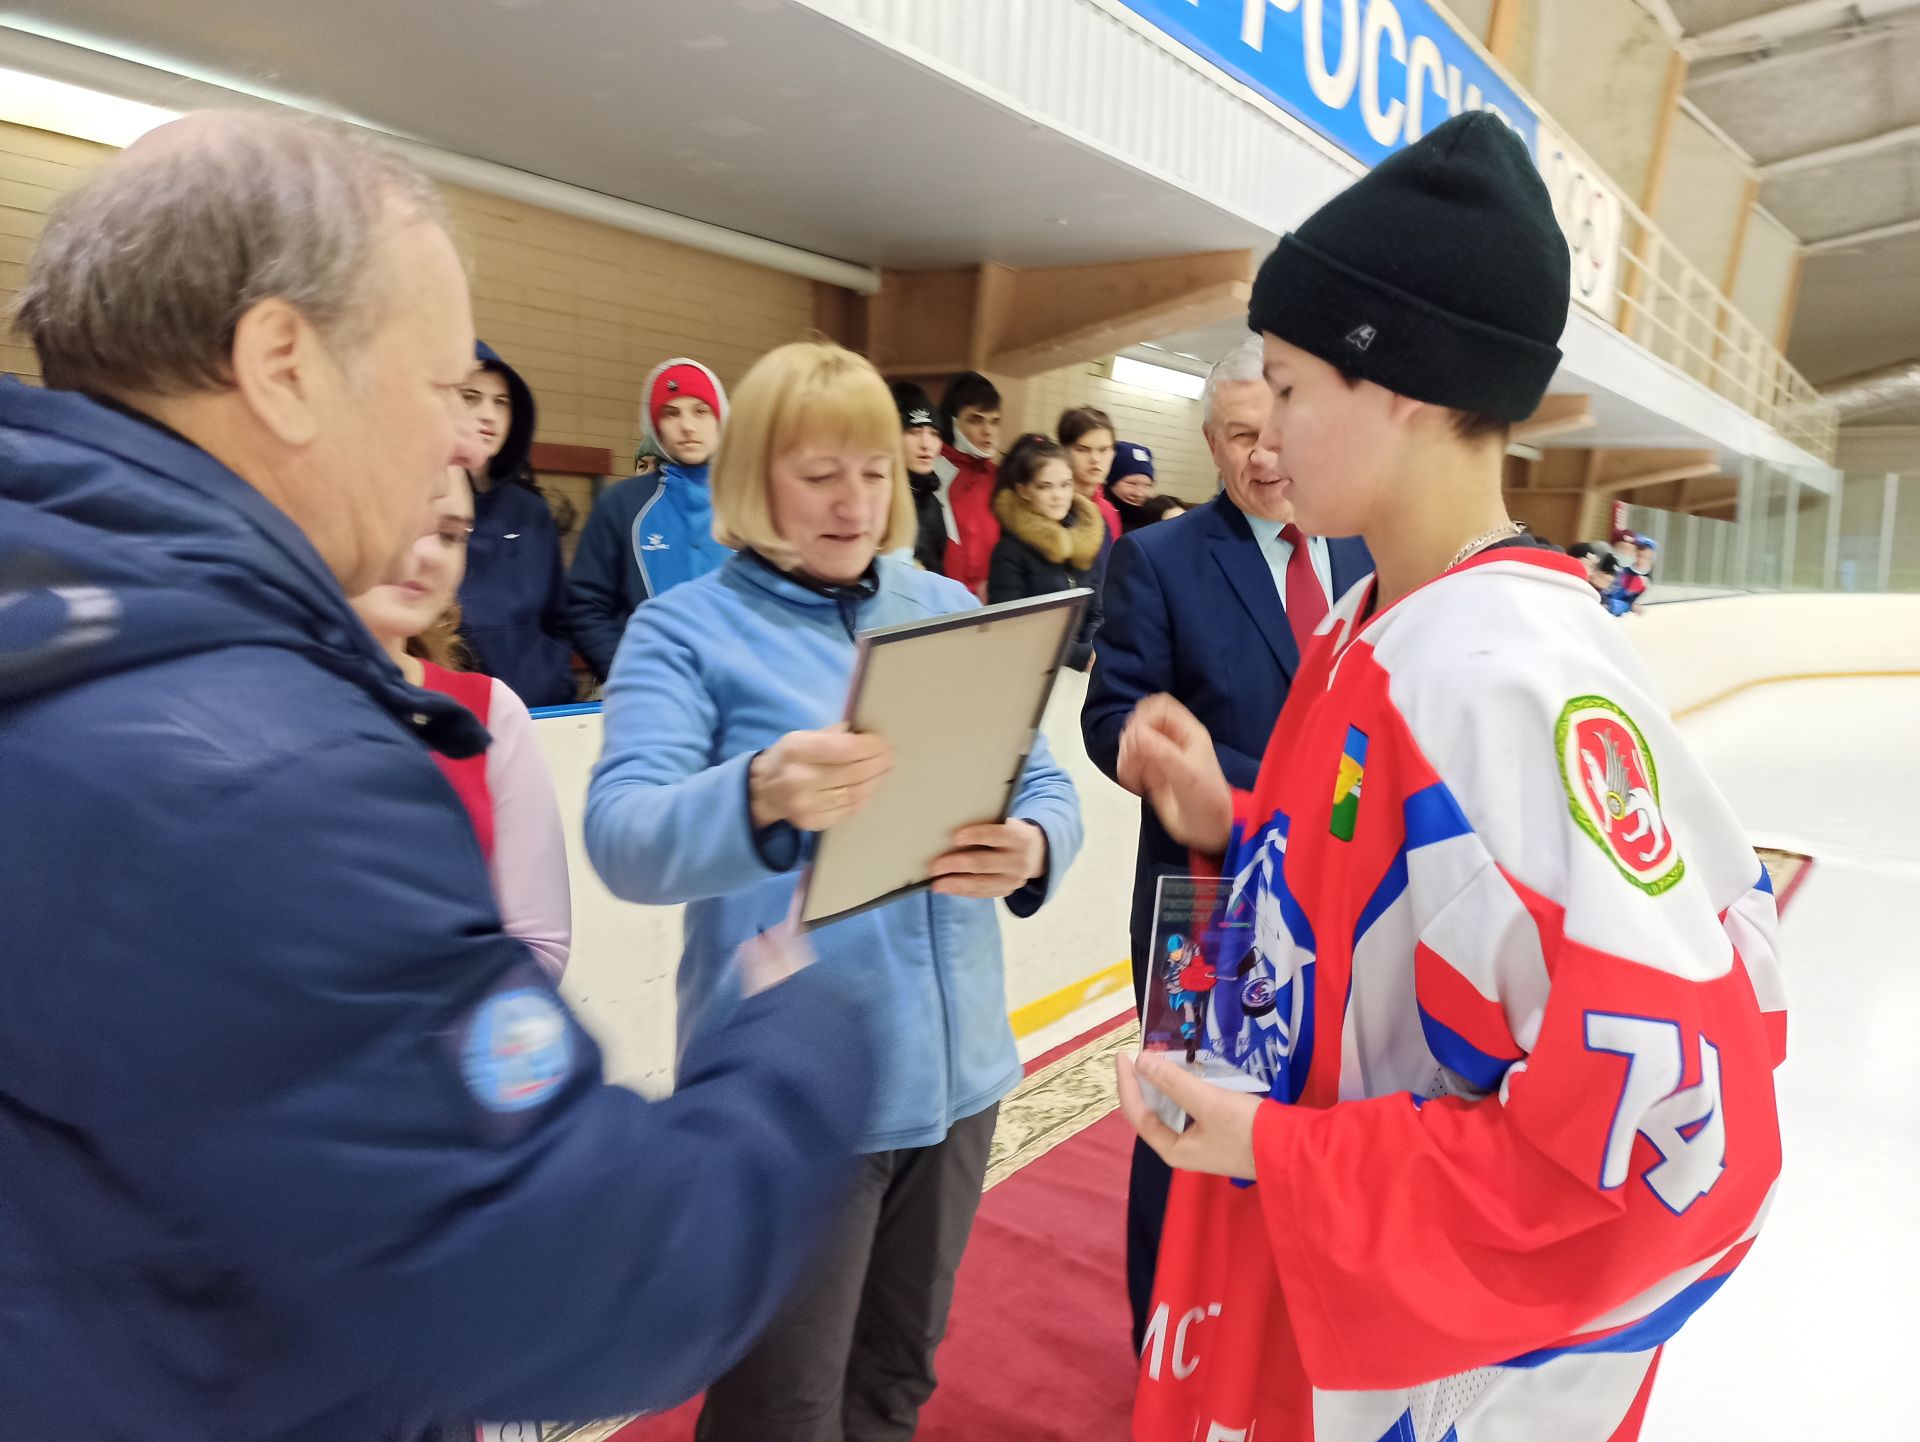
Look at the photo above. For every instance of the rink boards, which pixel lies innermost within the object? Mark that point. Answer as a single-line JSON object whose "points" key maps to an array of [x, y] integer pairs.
{"points": [[1702, 652]]}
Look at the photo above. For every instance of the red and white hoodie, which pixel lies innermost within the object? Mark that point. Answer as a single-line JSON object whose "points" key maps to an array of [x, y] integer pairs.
{"points": [[1528, 1013], [976, 529]]}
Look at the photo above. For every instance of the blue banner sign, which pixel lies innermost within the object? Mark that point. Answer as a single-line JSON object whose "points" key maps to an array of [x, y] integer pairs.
{"points": [[1370, 76]]}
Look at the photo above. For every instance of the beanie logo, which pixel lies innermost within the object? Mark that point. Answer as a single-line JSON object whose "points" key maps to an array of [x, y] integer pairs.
{"points": [[1361, 337]]}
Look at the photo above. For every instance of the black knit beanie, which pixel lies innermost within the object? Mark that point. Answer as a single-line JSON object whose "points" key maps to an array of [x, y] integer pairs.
{"points": [[1441, 274], [915, 406]]}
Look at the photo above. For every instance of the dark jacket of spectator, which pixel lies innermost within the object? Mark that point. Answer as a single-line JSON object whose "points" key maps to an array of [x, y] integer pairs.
{"points": [[930, 536], [1191, 609], [513, 603], [1038, 557], [296, 1142]]}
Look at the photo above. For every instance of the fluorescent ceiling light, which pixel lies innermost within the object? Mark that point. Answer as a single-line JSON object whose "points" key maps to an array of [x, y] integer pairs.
{"points": [[1151, 377], [71, 110]]}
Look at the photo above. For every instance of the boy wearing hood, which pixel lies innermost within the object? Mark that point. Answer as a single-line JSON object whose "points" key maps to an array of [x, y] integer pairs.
{"points": [[651, 532], [513, 603], [972, 411]]}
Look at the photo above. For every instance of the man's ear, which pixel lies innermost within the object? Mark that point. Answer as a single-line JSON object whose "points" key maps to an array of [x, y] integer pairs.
{"points": [[279, 368]]}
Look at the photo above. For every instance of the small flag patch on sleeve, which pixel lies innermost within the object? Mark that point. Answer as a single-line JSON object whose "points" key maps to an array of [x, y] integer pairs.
{"points": [[1346, 785]]}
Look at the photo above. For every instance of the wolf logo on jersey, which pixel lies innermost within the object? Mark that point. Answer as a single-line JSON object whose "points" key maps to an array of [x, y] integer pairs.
{"points": [[1263, 1023]]}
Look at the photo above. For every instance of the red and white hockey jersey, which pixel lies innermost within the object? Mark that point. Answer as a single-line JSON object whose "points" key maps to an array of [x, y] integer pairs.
{"points": [[1528, 1017]]}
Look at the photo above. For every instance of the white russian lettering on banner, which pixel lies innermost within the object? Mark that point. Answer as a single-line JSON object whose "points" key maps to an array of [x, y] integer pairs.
{"points": [[1383, 23], [1368, 75], [1372, 76], [1590, 215], [1333, 88]]}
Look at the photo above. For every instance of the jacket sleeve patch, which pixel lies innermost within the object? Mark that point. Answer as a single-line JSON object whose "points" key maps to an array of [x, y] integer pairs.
{"points": [[517, 1051]]}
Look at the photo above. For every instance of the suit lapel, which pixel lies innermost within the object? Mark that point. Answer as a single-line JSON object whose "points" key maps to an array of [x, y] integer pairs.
{"points": [[1238, 554]]}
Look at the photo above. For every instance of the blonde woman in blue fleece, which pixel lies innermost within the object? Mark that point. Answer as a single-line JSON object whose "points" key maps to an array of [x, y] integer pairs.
{"points": [[722, 762]]}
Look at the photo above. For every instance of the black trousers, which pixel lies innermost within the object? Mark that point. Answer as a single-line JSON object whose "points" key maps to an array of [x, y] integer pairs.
{"points": [[850, 1357], [1149, 1179]]}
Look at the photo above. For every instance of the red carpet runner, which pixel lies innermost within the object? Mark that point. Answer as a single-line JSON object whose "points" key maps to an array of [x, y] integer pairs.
{"points": [[1039, 1350], [1038, 1347]]}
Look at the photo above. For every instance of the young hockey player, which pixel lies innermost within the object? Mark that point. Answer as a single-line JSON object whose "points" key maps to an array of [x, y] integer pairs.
{"points": [[1633, 564], [1189, 981], [1526, 1120]]}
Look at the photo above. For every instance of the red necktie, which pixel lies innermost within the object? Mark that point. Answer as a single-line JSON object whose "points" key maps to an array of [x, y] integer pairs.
{"points": [[1306, 602]]}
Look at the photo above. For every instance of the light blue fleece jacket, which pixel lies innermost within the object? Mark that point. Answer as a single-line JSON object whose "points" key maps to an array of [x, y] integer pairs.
{"points": [[708, 675]]}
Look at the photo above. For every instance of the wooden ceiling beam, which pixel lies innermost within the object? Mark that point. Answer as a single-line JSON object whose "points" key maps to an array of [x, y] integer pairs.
{"points": [[1558, 415]]}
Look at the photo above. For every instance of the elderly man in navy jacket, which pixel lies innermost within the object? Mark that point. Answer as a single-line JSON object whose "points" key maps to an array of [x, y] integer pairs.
{"points": [[295, 1142], [1213, 609]]}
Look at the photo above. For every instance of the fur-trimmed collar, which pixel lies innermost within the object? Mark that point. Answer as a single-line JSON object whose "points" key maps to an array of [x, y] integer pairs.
{"points": [[1073, 542]]}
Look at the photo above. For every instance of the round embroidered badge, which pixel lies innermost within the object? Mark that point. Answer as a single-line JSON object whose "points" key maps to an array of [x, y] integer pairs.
{"points": [[518, 1052], [1614, 789]]}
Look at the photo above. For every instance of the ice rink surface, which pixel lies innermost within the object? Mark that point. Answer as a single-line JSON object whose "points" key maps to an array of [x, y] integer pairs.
{"points": [[1818, 1334]]}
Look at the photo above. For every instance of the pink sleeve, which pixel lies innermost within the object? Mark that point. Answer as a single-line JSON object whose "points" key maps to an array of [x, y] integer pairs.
{"points": [[529, 847]]}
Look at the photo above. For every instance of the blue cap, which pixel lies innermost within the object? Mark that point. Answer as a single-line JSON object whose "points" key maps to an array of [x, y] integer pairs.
{"points": [[1130, 460]]}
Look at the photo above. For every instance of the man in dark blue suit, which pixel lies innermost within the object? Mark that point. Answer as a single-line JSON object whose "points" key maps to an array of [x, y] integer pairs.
{"points": [[1212, 609]]}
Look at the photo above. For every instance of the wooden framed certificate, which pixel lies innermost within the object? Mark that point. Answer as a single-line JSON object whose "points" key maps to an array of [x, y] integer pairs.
{"points": [[960, 698]]}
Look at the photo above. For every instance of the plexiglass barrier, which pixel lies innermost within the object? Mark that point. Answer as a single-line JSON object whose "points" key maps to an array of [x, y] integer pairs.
{"points": [[1795, 531]]}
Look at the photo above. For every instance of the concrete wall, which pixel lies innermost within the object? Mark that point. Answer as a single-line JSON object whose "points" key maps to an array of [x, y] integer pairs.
{"points": [[1703, 198], [1763, 288], [1168, 425], [1600, 69], [1879, 449], [1522, 17], [36, 168], [582, 310], [1474, 15]]}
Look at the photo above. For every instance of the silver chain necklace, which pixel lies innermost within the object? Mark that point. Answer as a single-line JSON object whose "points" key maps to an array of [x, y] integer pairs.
{"points": [[1499, 533]]}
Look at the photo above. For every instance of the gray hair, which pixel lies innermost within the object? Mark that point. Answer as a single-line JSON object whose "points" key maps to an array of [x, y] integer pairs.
{"points": [[1245, 362], [142, 274]]}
